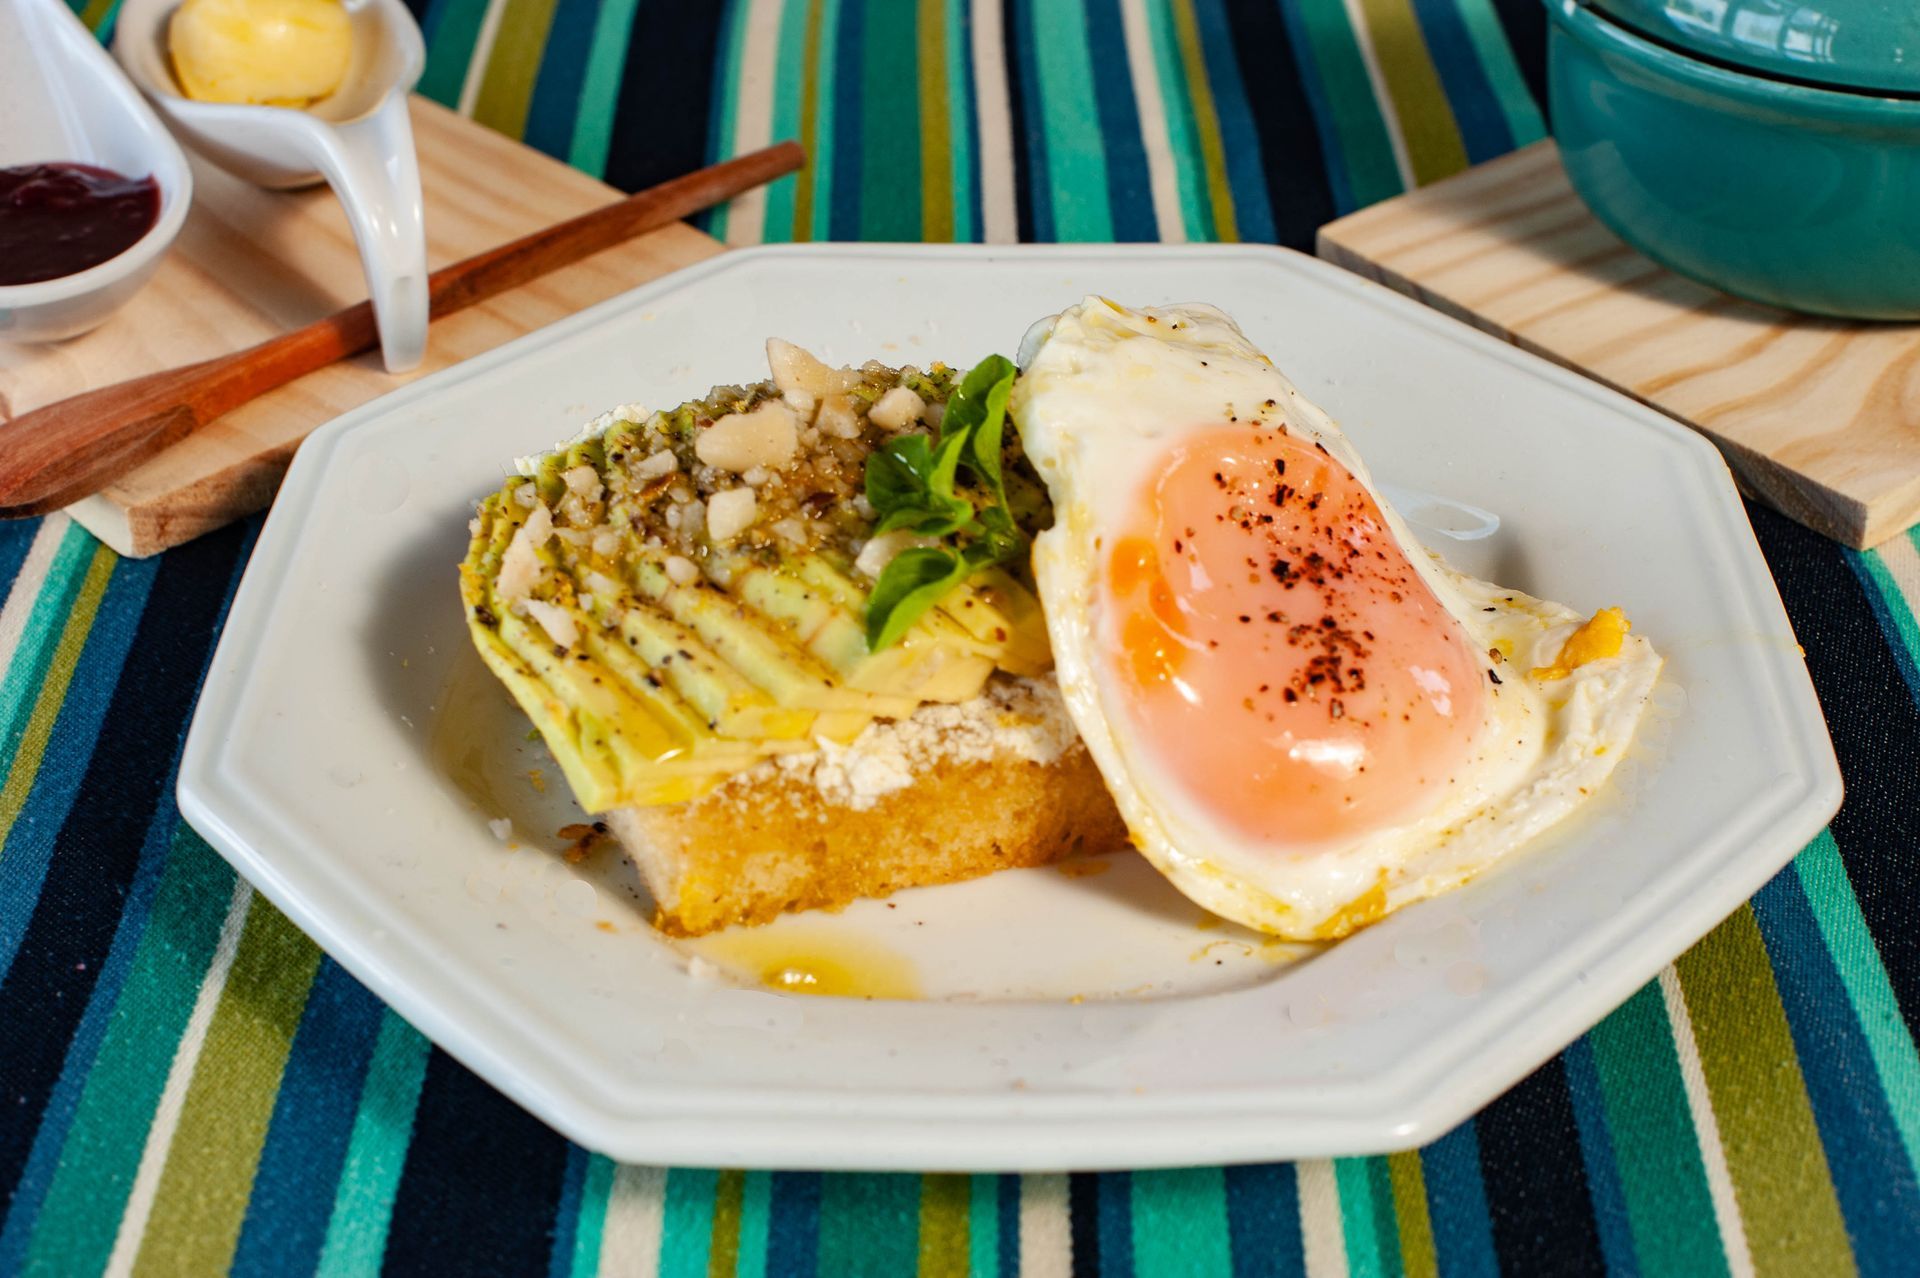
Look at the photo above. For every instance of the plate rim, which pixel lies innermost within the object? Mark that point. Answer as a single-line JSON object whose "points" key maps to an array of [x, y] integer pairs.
{"points": [[997, 1130]]}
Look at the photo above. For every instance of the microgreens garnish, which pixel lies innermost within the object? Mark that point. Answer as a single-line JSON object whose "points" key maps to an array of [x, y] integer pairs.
{"points": [[912, 483]]}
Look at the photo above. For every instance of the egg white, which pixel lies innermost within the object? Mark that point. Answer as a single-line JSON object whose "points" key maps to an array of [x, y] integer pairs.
{"points": [[1104, 390]]}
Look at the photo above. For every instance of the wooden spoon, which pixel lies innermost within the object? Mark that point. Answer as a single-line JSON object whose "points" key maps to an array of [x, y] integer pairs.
{"points": [[53, 456]]}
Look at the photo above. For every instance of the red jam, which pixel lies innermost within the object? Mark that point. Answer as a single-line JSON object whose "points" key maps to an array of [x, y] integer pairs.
{"points": [[58, 219]]}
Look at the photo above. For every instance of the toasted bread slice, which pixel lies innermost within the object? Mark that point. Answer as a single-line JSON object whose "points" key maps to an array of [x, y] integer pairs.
{"points": [[950, 793]]}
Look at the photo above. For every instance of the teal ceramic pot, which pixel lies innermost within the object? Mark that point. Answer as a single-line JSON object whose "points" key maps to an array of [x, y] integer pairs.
{"points": [[1796, 194]]}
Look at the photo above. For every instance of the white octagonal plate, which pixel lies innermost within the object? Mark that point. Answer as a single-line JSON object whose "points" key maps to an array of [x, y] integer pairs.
{"points": [[348, 757]]}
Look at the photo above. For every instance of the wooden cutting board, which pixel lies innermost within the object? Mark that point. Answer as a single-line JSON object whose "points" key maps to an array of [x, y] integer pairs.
{"points": [[250, 263], [1818, 418]]}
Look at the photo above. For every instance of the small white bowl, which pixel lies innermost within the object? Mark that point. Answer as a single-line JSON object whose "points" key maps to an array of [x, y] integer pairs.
{"points": [[359, 139], [62, 99]]}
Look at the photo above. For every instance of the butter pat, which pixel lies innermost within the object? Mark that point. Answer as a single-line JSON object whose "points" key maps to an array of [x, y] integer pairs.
{"points": [[287, 53]]}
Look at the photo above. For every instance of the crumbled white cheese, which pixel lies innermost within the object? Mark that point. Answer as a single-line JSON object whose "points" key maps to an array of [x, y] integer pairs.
{"points": [[731, 513], [606, 542], [592, 430], [520, 565], [502, 828], [557, 622], [1025, 718]]}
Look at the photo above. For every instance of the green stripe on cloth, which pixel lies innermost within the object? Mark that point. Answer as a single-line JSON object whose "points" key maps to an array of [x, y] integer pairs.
{"points": [[789, 90], [450, 50], [1823, 876], [1417, 1256], [1359, 1218], [959, 108], [687, 1222], [890, 163], [376, 1153], [1495, 55], [983, 1226], [1656, 1152], [1183, 131], [1427, 126], [1180, 1222], [936, 126], [590, 1228], [723, 1251], [869, 1225], [55, 661], [944, 1245], [1070, 122], [1774, 1154], [81, 1215], [513, 65], [209, 1170], [600, 90], [1364, 143], [1206, 122]]}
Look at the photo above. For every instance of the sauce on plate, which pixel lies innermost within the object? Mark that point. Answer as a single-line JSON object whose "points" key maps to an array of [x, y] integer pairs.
{"points": [[60, 218]]}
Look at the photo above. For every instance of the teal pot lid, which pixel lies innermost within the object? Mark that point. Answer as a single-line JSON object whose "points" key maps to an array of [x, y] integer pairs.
{"points": [[1871, 45]]}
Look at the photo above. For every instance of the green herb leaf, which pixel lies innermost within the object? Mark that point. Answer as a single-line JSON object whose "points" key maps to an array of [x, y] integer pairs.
{"points": [[912, 582], [978, 408], [911, 483]]}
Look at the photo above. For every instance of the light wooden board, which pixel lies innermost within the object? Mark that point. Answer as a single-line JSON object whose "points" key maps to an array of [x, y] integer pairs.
{"points": [[251, 263], [1818, 418]]}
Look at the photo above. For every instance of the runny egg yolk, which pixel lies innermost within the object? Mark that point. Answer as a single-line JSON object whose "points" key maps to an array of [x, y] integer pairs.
{"points": [[1277, 648]]}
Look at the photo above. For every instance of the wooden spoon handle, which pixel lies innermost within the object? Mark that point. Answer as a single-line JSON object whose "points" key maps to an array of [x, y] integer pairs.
{"points": [[55, 455]]}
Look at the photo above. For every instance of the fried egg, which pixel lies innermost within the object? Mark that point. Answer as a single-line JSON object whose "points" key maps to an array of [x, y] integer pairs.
{"points": [[1306, 718]]}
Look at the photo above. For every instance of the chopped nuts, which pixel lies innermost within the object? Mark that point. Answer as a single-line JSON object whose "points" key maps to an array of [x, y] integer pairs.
{"points": [[660, 463], [767, 436], [796, 369], [836, 418], [898, 409], [555, 621], [520, 565], [730, 513]]}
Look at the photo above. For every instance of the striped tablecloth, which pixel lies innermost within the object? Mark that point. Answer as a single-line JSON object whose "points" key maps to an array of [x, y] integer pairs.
{"points": [[187, 1084]]}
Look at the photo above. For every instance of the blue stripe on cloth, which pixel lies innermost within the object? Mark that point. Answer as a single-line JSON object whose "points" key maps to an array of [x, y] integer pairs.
{"points": [[843, 78], [1476, 108], [793, 1224], [1315, 91], [1009, 1226], [563, 74], [1028, 118], [1596, 1151], [1263, 1221], [1457, 1203], [16, 538], [293, 1190], [1129, 190], [156, 852], [1872, 1175], [92, 862], [1115, 1198], [1239, 138], [566, 1220], [69, 750]]}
